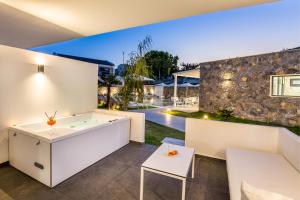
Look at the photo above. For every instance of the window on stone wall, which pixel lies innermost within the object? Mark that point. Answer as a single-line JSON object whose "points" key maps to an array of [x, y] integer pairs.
{"points": [[287, 85]]}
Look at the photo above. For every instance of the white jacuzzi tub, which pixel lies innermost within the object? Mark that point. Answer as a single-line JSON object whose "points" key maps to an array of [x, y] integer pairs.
{"points": [[53, 154]]}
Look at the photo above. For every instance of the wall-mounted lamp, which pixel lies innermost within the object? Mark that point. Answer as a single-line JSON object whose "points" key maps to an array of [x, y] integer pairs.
{"points": [[227, 76], [41, 68]]}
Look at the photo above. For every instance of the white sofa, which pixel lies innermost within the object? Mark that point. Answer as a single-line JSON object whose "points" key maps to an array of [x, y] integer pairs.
{"points": [[267, 171], [275, 172], [265, 157]]}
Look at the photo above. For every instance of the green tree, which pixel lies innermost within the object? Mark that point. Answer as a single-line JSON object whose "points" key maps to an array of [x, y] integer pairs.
{"points": [[134, 72], [189, 66], [126, 93], [161, 63], [109, 81]]}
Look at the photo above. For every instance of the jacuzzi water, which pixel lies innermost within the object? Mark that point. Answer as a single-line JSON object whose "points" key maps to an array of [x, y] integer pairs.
{"points": [[68, 126]]}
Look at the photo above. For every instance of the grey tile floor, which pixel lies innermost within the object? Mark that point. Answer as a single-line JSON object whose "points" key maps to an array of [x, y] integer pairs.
{"points": [[117, 177]]}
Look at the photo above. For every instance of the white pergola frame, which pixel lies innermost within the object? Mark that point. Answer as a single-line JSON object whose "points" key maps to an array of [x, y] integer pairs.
{"points": [[194, 73]]}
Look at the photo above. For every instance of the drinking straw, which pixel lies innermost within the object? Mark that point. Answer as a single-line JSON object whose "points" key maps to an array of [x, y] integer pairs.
{"points": [[47, 115], [54, 114]]}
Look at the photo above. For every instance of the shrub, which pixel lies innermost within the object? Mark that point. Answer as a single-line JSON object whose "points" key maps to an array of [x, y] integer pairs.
{"points": [[225, 114]]}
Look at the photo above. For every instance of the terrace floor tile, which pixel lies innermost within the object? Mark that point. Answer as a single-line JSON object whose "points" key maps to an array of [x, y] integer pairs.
{"points": [[118, 177]]}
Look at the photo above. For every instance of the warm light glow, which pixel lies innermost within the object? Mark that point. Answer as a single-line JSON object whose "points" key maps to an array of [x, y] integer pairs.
{"points": [[152, 91], [168, 119], [11, 123], [168, 109], [39, 90], [151, 101], [103, 90], [114, 90], [227, 76], [226, 84], [39, 80], [205, 117], [39, 60]]}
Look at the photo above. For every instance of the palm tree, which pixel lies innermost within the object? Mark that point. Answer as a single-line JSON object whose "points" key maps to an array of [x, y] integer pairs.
{"points": [[109, 81], [133, 73]]}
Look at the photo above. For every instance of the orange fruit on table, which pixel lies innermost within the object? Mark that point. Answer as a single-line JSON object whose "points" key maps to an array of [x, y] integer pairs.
{"points": [[51, 121], [172, 153]]}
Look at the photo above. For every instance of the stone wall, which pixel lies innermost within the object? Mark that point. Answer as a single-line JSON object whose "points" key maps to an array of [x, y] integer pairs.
{"points": [[243, 85]]}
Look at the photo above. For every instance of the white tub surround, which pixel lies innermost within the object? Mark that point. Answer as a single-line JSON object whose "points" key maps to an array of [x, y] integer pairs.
{"points": [[51, 155], [137, 123]]}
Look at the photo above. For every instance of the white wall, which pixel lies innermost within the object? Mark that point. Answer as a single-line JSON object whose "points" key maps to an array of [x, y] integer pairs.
{"points": [[137, 123], [67, 86], [158, 90], [212, 138]]}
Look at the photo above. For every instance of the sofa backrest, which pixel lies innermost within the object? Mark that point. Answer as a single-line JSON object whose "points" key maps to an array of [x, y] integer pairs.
{"points": [[212, 138], [289, 147]]}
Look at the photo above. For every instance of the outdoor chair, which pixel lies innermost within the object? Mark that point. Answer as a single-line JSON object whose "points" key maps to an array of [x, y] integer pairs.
{"points": [[178, 101]]}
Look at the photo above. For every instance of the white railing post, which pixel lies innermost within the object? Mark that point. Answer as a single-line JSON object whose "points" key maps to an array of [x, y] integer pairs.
{"points": [[175, 90]]}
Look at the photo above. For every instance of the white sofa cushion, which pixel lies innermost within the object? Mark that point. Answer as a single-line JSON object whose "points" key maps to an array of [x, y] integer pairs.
{"points": [[267, 171], [289, 147], [250, 192]]}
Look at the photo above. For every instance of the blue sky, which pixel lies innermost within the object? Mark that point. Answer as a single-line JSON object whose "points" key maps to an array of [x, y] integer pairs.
{"points": [[226, 34]]}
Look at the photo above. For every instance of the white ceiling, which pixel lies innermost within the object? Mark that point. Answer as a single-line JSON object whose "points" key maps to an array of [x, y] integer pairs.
{"points": [[20, 29], [89, 17]]}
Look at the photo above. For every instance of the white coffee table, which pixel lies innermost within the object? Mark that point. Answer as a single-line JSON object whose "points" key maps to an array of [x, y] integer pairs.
{"points": [[173, 166]]}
